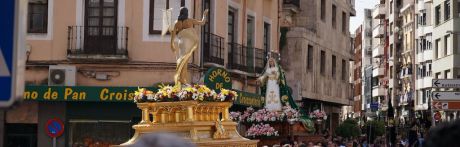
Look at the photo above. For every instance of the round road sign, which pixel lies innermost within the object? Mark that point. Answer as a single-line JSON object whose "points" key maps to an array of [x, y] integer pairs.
{"points": [[437, 116], [54, 127]]}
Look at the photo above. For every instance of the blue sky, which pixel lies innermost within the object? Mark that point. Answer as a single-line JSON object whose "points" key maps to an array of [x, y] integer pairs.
{"points": [[360, 5]]}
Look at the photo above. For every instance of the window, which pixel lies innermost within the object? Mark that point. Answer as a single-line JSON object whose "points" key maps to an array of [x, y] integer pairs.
{"points": [[250, 31], [323, 62], [437, 13], [334, 13], [323, 10], [391, 50], [447, 41], [37, 16], [447, 74], [391, 7], [391, 72], [344, 22], [391, 28], [267, 37], [423, 21], [446, 10], [156, 6], [333, 65], [344, 69], [310, 57], [438, 48], [427, 96]]}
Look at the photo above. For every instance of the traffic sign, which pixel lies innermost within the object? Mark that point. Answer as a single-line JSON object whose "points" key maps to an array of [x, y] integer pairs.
{"points": [[446, 83], [12, 45], [54, 127], [437, 116], [445, 95], [437, 105], [446, 105]]}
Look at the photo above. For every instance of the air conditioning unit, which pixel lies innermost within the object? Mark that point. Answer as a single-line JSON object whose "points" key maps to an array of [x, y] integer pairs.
{"points": [[62, 75]]}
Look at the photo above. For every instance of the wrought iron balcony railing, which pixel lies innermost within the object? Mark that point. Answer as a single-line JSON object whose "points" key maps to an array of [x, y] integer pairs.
{"points": [[237, 57], [213, 48], [97, 42]]}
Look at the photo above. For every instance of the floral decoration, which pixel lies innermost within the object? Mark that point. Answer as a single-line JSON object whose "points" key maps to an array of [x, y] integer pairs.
{"points": [[261, 130], [264, 115], [317, 114], [168, 93]]}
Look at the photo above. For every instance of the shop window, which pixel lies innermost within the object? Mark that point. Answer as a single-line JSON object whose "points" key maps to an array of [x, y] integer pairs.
{"points": [[96, 132], [20, 135]]}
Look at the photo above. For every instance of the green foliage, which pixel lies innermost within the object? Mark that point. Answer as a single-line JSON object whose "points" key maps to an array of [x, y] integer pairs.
{"points": [[349, 128], [377, 127]]}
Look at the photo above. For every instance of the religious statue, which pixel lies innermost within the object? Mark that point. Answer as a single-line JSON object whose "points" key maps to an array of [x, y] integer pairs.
{"points": [[271, 78], [187, 40]]}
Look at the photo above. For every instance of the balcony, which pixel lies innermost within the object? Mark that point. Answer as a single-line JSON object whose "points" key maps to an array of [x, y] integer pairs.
{"points": [[378, 31], [378, 71], [246, 59], [379, 11], [352, 5], [213, 49], [97, 43], [406, 72], [378, 91], [260, 60], [378, 51], [291, 3]]}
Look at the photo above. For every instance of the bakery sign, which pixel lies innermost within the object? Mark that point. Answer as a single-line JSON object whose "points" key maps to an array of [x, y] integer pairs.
{"points": [[217, 78], [80, 93]]}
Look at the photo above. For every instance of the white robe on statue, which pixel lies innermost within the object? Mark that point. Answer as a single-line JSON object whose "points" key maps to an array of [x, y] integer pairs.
{"points": [[272, 95]]}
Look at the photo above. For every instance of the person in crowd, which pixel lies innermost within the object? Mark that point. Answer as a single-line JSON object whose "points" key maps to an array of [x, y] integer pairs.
{"points": [[444, 135], [310, 144]]}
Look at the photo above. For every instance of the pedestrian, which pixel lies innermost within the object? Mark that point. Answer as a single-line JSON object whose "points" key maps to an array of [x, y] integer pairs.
{"points": [[444, 135], [310, 144]]}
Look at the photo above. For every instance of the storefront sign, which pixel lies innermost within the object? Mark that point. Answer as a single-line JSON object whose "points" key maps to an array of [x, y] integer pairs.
{"points": [[80, 93], [54, 127], [249, 99], [217, 78]]}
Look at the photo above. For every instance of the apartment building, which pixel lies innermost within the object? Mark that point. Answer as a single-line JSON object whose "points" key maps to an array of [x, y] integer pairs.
{"points": [[446, 46], [379, 56], [423, 56], [357, 71], [86, 57], [406, 78], [366, 59], [317, 54]]}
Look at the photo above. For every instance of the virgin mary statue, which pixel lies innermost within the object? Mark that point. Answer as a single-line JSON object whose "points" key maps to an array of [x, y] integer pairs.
{"points": [[271, 78]]}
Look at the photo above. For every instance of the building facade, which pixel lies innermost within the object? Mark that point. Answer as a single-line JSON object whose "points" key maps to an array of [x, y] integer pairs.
{"points": [[446, 37], [379, 56], [85, 57], [317, 54], [357, 71], [366, 59], [423, 57]]}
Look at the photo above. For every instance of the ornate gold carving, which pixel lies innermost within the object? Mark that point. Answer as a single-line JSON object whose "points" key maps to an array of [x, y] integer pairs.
{"points": [[220, 131]]}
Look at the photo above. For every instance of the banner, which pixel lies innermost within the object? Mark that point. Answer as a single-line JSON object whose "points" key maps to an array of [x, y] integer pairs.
{"points": [[249, 99], [80, 93]]}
